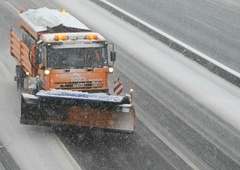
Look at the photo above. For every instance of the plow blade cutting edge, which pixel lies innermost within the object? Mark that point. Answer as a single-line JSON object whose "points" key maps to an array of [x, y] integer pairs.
{"points": [[68, 108]]}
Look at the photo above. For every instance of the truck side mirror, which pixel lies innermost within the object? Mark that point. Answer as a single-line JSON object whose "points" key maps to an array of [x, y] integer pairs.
{"points": [[113, 56]]}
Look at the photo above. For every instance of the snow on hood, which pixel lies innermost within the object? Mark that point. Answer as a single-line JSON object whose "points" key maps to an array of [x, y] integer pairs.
{"points": [[40, 19]]}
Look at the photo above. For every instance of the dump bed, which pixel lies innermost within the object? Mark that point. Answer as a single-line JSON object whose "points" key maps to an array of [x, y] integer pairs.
{"points": [[20, 51], [49, 20]]}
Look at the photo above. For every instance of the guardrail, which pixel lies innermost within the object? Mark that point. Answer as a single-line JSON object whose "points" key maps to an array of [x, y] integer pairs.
{"points": [[212, 65]]}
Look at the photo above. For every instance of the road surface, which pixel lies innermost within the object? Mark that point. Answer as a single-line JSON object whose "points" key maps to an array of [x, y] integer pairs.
{"points": [[174, 129]]}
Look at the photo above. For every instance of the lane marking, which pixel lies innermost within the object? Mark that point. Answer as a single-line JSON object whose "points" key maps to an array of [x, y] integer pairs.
{"points": [[2, 167], [235, 73], [56, 146], [13, 8], [167, 142], [203, 23], [2, 146]]}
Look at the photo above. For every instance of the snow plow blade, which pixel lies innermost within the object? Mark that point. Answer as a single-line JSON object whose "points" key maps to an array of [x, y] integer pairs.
{"points": [[67, 108]]}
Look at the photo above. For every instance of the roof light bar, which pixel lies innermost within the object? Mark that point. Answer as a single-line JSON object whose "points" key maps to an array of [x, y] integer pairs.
{"points": [[91, 37], [60, 37]]}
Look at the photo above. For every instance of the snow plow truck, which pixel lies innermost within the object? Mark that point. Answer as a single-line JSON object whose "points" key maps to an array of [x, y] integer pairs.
{"points": [[63, 71]]}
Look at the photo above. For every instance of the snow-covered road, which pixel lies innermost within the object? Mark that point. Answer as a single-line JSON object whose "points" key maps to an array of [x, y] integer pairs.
{"points": [[208, 89], [39, 148]]}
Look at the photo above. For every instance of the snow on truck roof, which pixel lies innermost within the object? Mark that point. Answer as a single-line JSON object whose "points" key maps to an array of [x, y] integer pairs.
{"points": [[40, 19]]}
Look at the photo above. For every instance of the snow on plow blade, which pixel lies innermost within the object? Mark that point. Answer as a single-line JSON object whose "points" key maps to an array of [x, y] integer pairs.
{"points": [[93, 110]]}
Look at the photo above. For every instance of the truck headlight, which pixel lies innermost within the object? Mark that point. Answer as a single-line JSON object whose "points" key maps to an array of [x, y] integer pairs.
{"points": [[47, 72], [131, 90], [110, 69]]}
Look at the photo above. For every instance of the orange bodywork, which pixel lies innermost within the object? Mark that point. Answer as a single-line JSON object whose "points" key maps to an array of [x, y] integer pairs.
{"points": [[87, 79], [92, 118], [62, 78], [20, 51], [100, 119]]}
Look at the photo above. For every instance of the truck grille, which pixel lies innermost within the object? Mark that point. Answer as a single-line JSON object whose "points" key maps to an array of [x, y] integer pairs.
{"points": [[83, 85]]}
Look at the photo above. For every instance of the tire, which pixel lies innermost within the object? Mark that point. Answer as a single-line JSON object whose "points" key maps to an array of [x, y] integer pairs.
{"points": [[20, 75]]}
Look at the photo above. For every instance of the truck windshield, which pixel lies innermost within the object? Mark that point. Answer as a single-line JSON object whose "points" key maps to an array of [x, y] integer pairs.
{"points": [[60, 58]]}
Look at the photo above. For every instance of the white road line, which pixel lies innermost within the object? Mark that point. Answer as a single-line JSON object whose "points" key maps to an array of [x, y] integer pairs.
{"points": [[167, 142], [202, 22], [55, 146], [13, 8], [1, 166], [174, 39], [2, 146]]}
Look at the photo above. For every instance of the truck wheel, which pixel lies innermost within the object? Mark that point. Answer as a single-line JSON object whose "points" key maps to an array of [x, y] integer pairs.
{"points": [[20, 75]]}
